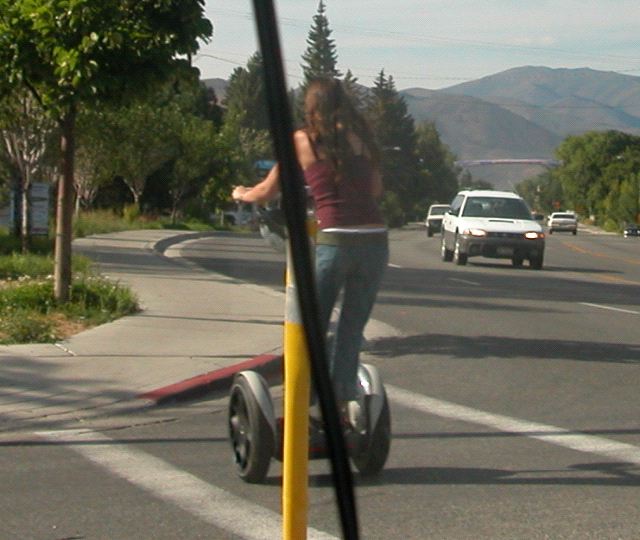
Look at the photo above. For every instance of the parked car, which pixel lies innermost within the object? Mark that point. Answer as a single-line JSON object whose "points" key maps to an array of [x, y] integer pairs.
{"points": [[494, 224], [433, 223], [631, 230], [563, 221]]}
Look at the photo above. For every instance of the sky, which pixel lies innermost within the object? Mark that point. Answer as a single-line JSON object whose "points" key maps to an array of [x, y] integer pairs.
{"points": [[435, 43]]}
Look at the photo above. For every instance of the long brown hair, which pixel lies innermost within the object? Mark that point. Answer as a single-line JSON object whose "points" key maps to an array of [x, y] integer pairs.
{"points": [[330, 116]]}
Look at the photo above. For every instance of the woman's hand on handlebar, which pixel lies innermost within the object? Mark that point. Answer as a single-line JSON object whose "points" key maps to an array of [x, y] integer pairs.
{"points": [[238, 192]]}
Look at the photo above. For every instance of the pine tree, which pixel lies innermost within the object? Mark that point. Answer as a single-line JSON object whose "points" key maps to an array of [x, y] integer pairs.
{"points": [[354, 90], [246, 122], [395, 131], [246, 98], [320, 58], [438, 163]]}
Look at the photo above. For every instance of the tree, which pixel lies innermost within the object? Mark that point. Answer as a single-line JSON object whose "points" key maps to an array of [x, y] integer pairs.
{"points": [[246, 99], [246, 123], [355, 91], [115, 144], [589, 162], [437, 162], [543, 192], [94, 156], [622, 175], [231, 165], [195, 159], [143, 138], [320, 58], [74, 53], [395, 130], [26, 132]]}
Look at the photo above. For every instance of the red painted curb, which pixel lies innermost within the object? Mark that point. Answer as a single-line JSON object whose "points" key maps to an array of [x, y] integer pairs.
{"points": [[207, 381]]}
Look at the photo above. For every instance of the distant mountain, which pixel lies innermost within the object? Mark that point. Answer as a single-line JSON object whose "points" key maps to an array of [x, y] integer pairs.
{"points": [[479, 129], [526, 112], [564, 101], [523, 112], [219, 86]]}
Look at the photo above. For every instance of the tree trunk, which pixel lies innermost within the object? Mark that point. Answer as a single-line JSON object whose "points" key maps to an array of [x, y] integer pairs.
{"points": [[64, 209]]}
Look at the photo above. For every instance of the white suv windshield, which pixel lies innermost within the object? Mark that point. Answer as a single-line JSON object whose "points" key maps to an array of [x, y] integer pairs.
{"points": [[496, 207], [563, 216]]}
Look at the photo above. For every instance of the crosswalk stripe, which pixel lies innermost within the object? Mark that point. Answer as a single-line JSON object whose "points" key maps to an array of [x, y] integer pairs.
{"points": [[580, 442], [209, 503]]}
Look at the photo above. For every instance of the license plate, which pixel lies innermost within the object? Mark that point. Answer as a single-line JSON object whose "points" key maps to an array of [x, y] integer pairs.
{"points": [[507, 251]]}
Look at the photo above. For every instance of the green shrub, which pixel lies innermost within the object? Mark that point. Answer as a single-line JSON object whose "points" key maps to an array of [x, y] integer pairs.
{"points": [[18, 265], [29, 312], [100, 299], [610, 225], [131, 213], [98, 222], [24, 326], [392, 210], [12, 244], [26, 294]]}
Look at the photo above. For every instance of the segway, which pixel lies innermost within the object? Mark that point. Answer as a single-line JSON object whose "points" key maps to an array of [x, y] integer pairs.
{"points": [[256, 432]]}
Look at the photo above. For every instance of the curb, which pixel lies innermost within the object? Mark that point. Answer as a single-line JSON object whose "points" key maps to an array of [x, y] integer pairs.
{"points": [[162, 245], [268, 365]]}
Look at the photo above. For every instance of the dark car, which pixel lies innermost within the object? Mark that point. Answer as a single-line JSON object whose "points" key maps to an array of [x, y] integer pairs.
{"points": [[631, 230]]}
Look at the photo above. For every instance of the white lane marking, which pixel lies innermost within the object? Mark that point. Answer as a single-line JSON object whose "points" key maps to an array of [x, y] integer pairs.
{"points": [[211, 504], [551, 434], [391, 265], [610, 308], [465, 281]]}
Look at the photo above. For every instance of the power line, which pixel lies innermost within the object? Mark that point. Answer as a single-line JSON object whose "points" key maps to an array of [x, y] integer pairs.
{"points": [[294, 22], [235, 63]]}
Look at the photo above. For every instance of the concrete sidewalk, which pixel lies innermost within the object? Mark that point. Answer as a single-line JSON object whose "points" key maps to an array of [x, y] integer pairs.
{"points": [[196, 329]]}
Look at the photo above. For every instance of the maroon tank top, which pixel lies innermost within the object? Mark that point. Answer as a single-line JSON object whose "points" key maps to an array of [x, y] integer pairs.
{"points": [[348, 202]]}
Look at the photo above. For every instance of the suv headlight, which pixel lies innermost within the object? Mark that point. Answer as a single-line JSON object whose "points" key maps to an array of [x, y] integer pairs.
{"points": [[474, 232], [533, 235]]}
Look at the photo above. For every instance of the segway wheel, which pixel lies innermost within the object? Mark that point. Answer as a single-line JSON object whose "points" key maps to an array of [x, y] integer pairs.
{"points": [[250, 433], [372, 457]]}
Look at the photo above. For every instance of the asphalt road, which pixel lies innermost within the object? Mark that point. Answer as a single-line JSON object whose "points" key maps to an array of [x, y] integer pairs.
{"points": [[515, 407]]}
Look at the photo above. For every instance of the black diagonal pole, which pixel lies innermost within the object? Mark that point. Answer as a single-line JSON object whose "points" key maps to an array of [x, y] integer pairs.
{"points": [[294, 204]]}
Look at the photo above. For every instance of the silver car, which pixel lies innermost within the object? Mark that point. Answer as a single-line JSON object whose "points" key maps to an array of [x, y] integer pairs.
{"points": [[563, 221], [433, 223]]}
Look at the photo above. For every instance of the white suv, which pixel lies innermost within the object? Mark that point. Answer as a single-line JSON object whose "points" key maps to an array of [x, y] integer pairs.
{"points": [[494, 224]]}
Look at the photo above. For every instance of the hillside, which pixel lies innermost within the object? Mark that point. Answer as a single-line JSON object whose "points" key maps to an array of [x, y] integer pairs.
{"points": [[477, 129], [523, 112], [564, 101], [219, 86], [480, 129]]}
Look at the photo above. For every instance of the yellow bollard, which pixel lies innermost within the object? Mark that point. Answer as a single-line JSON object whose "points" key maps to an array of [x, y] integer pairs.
{"points": [[297, 382], [295, 497]]}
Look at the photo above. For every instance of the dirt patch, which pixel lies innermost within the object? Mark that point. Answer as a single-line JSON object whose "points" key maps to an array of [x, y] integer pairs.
{"points": [[65, 327]]}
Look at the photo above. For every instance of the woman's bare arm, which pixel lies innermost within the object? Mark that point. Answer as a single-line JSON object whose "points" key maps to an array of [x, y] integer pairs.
{"points": [[263, 191], [269, 188]]}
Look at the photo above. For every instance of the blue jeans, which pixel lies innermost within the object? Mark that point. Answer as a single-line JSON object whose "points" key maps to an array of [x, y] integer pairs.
{"points": [[355, 267]]}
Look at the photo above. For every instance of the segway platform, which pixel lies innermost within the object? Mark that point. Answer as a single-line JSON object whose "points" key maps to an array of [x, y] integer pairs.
{"points": [[256, 432]]}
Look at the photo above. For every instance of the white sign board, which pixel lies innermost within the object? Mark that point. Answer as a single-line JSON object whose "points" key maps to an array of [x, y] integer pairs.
{"points": [[40, 208], [40, 192]]}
